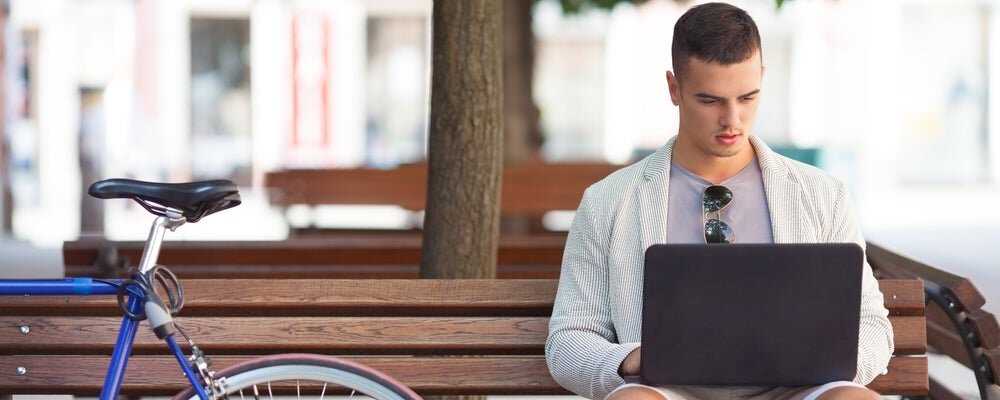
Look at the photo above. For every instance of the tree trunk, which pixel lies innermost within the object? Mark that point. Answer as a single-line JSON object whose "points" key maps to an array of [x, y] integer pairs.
{"points": [[521, 134], [464, 143]]}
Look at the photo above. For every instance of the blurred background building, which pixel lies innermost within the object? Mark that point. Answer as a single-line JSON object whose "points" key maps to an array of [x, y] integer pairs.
{"points": [[900, 98], [897, 97]]}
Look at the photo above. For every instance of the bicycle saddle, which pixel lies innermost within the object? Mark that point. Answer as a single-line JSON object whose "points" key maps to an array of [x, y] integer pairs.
{"points": [[193, 199]]}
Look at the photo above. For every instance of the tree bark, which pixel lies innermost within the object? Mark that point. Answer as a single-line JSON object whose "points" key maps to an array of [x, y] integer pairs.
{"points": [[464, 143], [521, 134]]}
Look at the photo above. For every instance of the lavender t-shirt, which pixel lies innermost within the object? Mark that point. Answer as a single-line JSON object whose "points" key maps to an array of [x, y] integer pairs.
{"points": [[747, 214]]}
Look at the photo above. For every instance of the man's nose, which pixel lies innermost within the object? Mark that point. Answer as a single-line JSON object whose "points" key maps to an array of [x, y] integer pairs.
{"points": [[730, 116]]}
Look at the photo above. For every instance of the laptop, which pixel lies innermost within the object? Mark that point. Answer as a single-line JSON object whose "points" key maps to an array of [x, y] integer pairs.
{"points": [[750, 314]]}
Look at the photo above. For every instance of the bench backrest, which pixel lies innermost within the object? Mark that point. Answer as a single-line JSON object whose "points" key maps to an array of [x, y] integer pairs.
{"points": [[494, 330], [328, 257], [530, 189], [957, 325]]}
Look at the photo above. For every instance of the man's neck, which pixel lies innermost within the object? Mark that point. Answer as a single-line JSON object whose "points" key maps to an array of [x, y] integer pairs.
{"points": [[710, 168]]}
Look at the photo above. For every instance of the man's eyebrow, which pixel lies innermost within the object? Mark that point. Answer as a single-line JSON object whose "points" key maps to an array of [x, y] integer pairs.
{"points": [[707, 96], [713, 97]]}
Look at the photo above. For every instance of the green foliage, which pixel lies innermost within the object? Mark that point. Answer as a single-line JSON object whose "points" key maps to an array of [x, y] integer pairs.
{"points": [[575, 6]]}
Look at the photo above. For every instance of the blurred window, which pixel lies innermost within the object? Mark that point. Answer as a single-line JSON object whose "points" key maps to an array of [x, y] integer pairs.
{"points": [[943, 120], [220, 99], [397, 100]]}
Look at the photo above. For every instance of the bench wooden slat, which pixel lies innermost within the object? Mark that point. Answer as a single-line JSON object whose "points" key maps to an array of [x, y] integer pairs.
{"points": [[530, 189], [536, 188], [340, 257], [992, 357], [907, 375], [910, 335], [374, 297], [351, 250], [902, 296], [371, 335], [329, 271], [898, 267], [264, 335], [83, 375], [986, 328], [406, 185], [402, 297]]}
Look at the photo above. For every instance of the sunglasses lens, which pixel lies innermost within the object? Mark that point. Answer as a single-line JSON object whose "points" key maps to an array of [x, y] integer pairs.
{"points": [[716, 198], [717, 231]]}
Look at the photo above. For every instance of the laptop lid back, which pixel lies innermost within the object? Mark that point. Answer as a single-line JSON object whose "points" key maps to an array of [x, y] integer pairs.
{"points": [[750, 314]]}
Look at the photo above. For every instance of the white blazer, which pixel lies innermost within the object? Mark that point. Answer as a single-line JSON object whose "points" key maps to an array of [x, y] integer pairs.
{"points": [[596, 319]]}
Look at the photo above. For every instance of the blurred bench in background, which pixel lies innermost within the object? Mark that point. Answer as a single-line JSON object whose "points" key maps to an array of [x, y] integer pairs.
{"points": [[528, 191]]}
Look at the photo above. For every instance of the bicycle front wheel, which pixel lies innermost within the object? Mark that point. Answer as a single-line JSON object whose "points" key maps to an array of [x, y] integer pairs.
{"points": [[305, 375]]}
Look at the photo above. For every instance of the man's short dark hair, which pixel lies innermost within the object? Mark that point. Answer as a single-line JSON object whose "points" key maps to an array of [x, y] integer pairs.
{"points": [[714, 33]]}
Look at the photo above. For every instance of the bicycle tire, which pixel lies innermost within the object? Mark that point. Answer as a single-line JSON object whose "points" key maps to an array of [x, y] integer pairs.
{"points": [[313, 368]]}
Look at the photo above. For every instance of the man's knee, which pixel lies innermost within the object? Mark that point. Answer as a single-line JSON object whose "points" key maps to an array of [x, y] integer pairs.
{"points": [[636, 393], [850, 393]]}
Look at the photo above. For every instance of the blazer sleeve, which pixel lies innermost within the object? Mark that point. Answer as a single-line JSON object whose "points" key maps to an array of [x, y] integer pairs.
{"points": [[582, 350], [875, 339]]}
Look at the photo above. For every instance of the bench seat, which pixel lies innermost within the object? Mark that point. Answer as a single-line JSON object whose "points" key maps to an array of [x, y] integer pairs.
{"points": [[436, 336]]}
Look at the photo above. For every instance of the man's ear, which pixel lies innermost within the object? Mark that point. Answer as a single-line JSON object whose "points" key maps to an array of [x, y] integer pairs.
{"points": [[675, 88]]}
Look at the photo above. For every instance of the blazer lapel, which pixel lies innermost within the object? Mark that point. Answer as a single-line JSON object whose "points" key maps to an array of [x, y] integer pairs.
{"points": [[652, 197], [784, 197]]}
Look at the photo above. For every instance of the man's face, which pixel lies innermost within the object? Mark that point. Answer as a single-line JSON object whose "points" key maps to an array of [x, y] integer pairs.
{"points": [[718, 104]]}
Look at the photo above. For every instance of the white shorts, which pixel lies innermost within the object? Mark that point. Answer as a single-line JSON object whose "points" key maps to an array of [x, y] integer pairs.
{"points": [[743, 392]]}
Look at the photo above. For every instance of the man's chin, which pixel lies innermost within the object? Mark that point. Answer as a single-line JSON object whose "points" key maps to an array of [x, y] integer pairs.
{"points": [[728, 152]]}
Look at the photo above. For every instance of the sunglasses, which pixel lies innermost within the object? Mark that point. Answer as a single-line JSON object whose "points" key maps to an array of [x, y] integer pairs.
{"points": [[714, 199]]}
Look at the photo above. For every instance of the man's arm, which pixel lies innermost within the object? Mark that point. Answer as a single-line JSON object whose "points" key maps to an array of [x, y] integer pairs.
{"points": [[875, 340], [630, 366], [582, 350]]}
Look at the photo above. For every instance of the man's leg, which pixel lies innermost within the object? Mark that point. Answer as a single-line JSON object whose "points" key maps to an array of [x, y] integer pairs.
{"points": [[636, 393], [849, 393], [841, 390], [643, 392]]}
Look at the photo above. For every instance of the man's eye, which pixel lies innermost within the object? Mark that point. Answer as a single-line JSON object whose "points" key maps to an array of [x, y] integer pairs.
{"points": [[748, 99], [707, 101]]}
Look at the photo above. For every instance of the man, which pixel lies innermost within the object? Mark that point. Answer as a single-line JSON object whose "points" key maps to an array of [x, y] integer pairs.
{"points": [[595, 328]]}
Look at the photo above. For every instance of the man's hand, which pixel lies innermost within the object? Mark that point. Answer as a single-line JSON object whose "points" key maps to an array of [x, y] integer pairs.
{"points": [[630, 365]]}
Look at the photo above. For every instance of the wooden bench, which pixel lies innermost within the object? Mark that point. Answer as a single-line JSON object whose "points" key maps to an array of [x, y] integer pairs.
{"points": [[327, 257], [957, 326], [492, 332], [528, 191]]}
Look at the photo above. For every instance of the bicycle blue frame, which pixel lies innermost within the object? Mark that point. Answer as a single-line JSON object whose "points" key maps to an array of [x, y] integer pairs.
{"points": [[126, 334]]}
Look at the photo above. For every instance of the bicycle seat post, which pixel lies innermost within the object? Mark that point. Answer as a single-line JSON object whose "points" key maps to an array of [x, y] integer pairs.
{"points": [[151, 252]]}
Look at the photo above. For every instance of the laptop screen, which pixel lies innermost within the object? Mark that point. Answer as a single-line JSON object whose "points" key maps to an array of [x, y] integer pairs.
{"points": [[750, 314]]}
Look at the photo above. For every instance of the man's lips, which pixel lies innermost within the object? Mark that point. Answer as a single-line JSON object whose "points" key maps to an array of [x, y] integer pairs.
{"points": [[728, 139]]}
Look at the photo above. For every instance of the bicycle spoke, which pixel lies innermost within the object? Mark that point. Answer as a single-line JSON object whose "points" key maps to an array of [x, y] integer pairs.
{"points": [[344, 379]]}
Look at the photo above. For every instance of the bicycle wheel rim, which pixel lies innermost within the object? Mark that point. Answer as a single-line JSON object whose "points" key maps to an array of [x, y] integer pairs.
{"points": [[313, 368]]}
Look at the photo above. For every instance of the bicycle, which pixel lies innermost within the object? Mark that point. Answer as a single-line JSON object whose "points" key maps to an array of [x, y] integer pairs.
{"points": [[142, 298]]}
